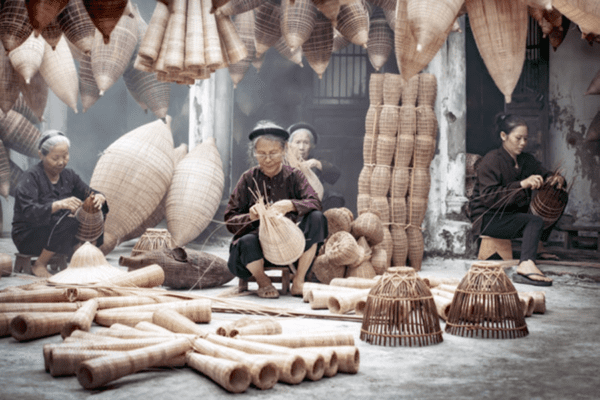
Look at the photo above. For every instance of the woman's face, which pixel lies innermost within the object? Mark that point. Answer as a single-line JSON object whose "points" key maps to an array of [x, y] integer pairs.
{"points": [[56, 160], [269, 155], [301, 144], [515, 141]]}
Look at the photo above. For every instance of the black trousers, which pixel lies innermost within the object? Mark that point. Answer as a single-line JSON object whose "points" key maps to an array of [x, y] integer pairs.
{"points": [[57, 238], [247, 248]]}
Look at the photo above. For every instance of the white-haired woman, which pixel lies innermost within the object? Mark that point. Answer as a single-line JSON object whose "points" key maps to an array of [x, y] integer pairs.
{"points": [[46, 198], [290, 194]]}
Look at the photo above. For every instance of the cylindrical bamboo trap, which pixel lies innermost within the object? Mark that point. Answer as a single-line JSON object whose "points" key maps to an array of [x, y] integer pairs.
{"points": [[150, 327], [369, 225], [233, 45], [65, 361], [442, 305], [348, 358], [175, 34], [81, 319], [527, 304], [213, 54], [388, 120], [372, 119], [244, 24], [410, 92], [355, 283], [225, 329], [423, 151], [196, 310], [310, 286], [47, 295], [305, 339], [376, 89], [129, 301], [342, 303], [400, 246], [369, 149], [393, 85], [381, 206], [380, 178], [176, 322], [364, 179], [486, 305], [414, 237], [231, 375], [98, 372], [427, 90], [38, 307], [418, 192], [267, 26], [30, 326], [318, 299], [426, 121], [263, 326]]}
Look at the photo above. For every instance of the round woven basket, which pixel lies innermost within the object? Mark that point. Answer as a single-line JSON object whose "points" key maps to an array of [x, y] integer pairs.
{"points": [[400, 311], [317, 49], [404, 150], [399, 182], [427, 90], [77, 26], [400, 249], [15, 27], [388, 122], [398, 210], [368, 224], [370, 149], [353, 22], [342, 249], [380, 181], [153, 239], [297, 21], [325, 271], [426, 121], [364, 179], [549, 203], [410, 91], [414, 237], [393, 86], [424, 151], [420, 182], [338, 220], [376, 89], [381, 41], [372, 120], [381, 205], [486, 305], [387, 245], [386, 146]]}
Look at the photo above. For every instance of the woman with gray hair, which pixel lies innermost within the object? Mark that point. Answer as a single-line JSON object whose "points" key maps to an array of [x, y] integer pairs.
{"points": [[46, 197]]}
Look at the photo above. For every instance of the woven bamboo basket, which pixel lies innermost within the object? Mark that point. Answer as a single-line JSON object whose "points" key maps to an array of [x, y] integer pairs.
{"points": [[195, 192], [326, 271], [338, 219], [319, 46], [379, 261], [342, 249], [427, 90], [353, 22], [416, 207], [178, 323], [81, 319], [260, 326], [414, 237], [126, 169], [194, 37], [390, 17], [153, 239], [400, 311], [109, 61], [386, 244], [376, 89], [213, 54], [152, 41], [418, 188], [88, 88], [22, 108], [407, 120], [9, 83], [369, 149], [393, 86], [486, 305], [504, 60], [5, 265], [27, 58], [29, 326], [381, 41], [380, 181], [426, 121], [105, 14], [424, 151], [388, 120], [583, 13], [355, 283], [330, 9], [363, 203], [234, 47], [5, 174], [549, 203], [372, 120], [267, 26], [18, 134], [233, 376], [385, 150], [234, 7], [294, 55], [244, 24], [430, 19], [410, 92], [175, 36], [404, 150], [77, 25], [363, 270], [410, 60], [298, 19], [399, 183], [35, 95], [369, 225], [52, 34], [400, 249], [364, 179], [59, 72], [15, 27], [380, 205], [91, 221], [339, 41], [398, 210]]}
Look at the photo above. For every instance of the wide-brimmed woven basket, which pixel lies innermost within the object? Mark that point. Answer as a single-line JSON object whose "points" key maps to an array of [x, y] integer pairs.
{"points": [[18, 134], [319, 46], [376, 89], [77, 25], [59, 72], [393, 85], [353, 22], [486, 304], [381, 40], [549, 203], [400, 311], [297, 21], [15, 27]]}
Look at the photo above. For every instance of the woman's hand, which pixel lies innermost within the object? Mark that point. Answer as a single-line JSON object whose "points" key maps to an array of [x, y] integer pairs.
{"points": [[99, 201], [283, 206], [533, 182], [70, 203], [253, 214], [313, 163], [556, 180]]}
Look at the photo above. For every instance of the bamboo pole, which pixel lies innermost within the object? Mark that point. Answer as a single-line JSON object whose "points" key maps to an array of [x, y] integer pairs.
{"points": [[231, 375], [81, 319]]}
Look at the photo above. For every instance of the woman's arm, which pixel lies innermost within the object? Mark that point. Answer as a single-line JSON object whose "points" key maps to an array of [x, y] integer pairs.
{"points": [[305, 198], [237, 214], [495, 191]]}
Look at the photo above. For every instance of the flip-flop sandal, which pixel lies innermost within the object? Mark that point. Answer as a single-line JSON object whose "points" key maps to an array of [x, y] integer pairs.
{"points": [[524, 279], [268, 292]]}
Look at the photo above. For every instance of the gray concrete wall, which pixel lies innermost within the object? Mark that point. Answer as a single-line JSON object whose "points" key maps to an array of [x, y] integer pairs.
{"points": [[572, 68]]}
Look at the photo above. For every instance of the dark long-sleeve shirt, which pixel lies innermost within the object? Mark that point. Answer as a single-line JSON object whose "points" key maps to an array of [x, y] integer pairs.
{"points": [[288, 184], [329, 172], [35, 194], [498, 184]]}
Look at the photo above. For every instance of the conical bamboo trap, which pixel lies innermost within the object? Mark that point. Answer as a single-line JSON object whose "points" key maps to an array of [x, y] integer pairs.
{"points": [[319, 46], [9, 83], [106, 14], [294, 55], [27, 58], [195, 192], [88, 88], [297, 21], [77, 25], [244, 24], [22, 108], [4, 174], [381, 41], [59, 72], [15, 27], [353, 22], [267, 26], [234, 7], [581, 12], [486, 305], [430, 19], [35, 95], [52, 34], [18, 134], [400, 311]]}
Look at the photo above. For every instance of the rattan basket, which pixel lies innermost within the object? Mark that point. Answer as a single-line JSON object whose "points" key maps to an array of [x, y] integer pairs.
{"points": [[427, 90], [380, 205], [326, 271], [416, 207], [297, 21], [486, 305], [77, 26], [353, 22], [342, 249], [338, 219], [407, 120], [400, 249], [369, 225], [18, 134], [404, 150], [393, 86], [414, 237], [363, 270], [105, 14], [15, 27], [363, 202], [59, 72], [381, 41], [376, 89], [233, 46], [213, 54], [319, 46], [549, 203], [426, 121], [153, 239], [400, 311], [27, 58]]}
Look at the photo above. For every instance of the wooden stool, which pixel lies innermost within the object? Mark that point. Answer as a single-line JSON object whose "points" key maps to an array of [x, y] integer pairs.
{"points": [[23, 262], [490, 245], [284, 279]]}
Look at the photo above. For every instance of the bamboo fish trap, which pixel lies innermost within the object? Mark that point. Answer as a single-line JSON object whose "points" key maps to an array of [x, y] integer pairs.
{"points": [[27, 58], [486, 305], [430, 19], [234, 7], [91, 221], [549, 203], [9, 82], [153, 239], [353, 22], [244, 24], [15, 27], [381, 41], [105, 14], [35, 95], [319, 46], [59, 72], [297, 21], [267, 26], [400, 311], [77, 25], [18, 134]]}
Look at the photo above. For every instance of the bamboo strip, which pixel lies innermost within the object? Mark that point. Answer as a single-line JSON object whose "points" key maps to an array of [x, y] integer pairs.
{"points": [[232, 376], [81, 319], [98, 372], [30, 326], [305, 339], [342, 303], [37, 307], [175, 322]]}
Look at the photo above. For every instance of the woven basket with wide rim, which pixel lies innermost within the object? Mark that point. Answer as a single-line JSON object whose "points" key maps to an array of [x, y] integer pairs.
{"points": [[486, 305], [404, 150], [393, 85], [400, 248], [381, 41], [319, 46], [59, 72], [15, 27], [400, 311], [353, 22], [297, 21], [105, 14], [77, 26], [376, 89], [369, 149], [18, 134], [414, 237], [549, 203], [385, 150]]}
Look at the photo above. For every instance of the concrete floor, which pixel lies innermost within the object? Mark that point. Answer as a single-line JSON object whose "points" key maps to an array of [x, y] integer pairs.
{"points": [[559, 359]]}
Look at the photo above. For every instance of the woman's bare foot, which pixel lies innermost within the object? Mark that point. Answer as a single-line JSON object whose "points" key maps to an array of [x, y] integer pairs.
{"points": [[297, 287], [40, 271], [531, 272], [265, 287]]}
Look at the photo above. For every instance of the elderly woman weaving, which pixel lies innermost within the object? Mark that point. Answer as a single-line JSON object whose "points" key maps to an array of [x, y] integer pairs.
{"points": [[46, 198], [289, 193]]}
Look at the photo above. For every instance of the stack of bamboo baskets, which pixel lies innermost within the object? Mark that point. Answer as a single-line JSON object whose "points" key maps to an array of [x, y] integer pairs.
{"points": [[399, 143]]}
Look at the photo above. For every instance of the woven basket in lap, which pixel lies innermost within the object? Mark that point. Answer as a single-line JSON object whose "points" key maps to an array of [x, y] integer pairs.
{"points": [[398, 210], [424, 151], [15, 27], [581, 12], [399, 182], [372, 120], [267, 26], [213, 54], [426, 121], [400, 247], [244, 24], [175, 36], [363, 202], [414, 237], [319, 45], [486, 305], [385, 150], [364, 179], [376, 89], [549, 203], [380, 181], [234, 47], [410, 60], [52, 34], [429, 19], [9, 83], [404, 150], [326, 271], [381, 41], [59, 72], [18, 134], [5, 174], [338, 219], [427, 90], [420, 183], [234, 7], [286, 51], [504, 59], [388, 120], [297, 21], [379, 261], [77, 26], [134, 174], [353, 22], [109, 61], [393, 85], [27, 58], [91, 221], [369, 149], [105, 14], [400, 311], [342, 249], [195, 192], [369, 225]]}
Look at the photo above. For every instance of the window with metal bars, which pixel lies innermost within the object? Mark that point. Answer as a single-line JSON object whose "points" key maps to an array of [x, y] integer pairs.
{"points": [[533, 77]]}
